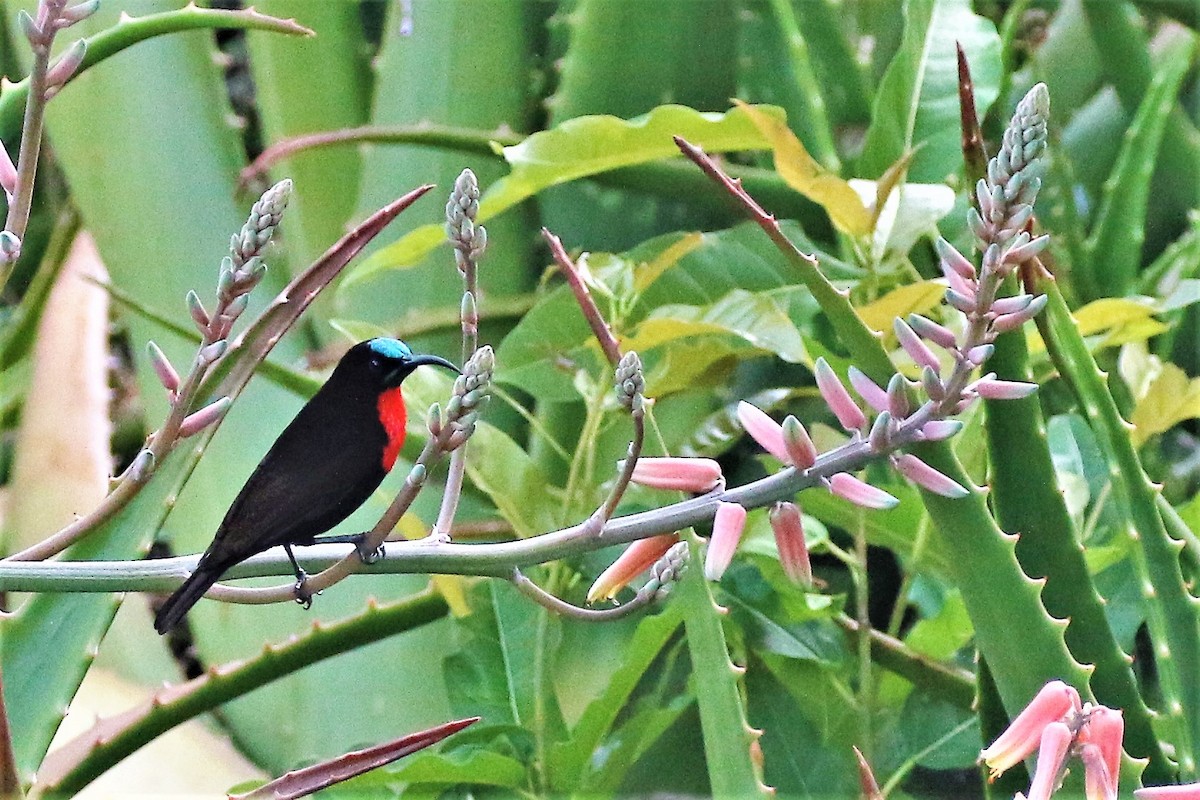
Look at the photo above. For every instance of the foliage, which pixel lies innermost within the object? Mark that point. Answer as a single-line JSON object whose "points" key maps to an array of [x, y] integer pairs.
{"points": [[847, 127]]}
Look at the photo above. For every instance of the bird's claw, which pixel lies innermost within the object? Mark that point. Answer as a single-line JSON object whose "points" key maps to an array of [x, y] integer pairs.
{"points": [[303, 596], [369, 557]]}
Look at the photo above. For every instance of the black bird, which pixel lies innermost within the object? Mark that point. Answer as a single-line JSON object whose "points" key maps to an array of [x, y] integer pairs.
{"points": [[324, 465]]}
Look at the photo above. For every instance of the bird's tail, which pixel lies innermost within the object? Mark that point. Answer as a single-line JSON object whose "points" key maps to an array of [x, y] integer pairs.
{"points": [[185, 597]]}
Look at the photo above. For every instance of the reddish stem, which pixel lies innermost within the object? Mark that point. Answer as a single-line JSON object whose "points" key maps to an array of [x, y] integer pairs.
{"points": [[608, 342]]}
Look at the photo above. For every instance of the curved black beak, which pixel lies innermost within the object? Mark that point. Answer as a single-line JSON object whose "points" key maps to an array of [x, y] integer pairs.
{"points": [[418, 361]]}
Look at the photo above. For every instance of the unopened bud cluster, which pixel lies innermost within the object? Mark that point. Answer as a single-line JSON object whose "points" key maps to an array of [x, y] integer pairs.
{"points": [[468, 399], [630, 383], [260, 225], [468, 239], [666, 571]]}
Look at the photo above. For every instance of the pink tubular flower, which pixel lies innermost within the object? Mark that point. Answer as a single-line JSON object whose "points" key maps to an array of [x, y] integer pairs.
{"points": [[868, 390], [992, 389], [929, 478], [917, 350], [862, 494], [199, 420], [728, 525], [1101, 752], [8, 173], [637, 558], [940, 429], [1189, 791], [1025, 732], [788, 523], [837, 398], [932, 331], [1054, 746], [677, 474], [766, 431]]}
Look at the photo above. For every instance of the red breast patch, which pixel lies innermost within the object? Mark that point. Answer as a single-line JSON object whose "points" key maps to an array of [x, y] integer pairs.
{"points": [[393, 417]]}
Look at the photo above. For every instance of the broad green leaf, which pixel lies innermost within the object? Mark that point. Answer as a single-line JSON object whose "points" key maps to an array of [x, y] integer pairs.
{"points": [[567, 760], [808, 177], [913, 298], [647, 273], [917, 102], [756, 318], [909, 210], [576, 149], [1170, 399]]}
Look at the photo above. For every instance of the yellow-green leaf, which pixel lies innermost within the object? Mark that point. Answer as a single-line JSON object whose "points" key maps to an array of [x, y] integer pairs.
{"points": [[804, 174], [1109, 313], [1171, 399], [914, 298], [581, 147]]}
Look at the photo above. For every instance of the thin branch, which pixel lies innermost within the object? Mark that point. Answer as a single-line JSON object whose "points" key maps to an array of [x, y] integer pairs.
{"points": [[603, 334], [559, 606]]}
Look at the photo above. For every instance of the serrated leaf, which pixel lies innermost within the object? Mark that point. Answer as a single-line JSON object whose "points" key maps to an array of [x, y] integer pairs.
{"points": [[576, 149], [913, 298], [808, 177]]}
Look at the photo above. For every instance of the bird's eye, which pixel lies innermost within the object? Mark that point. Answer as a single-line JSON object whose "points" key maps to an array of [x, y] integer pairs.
{"points": [[376, 362]]}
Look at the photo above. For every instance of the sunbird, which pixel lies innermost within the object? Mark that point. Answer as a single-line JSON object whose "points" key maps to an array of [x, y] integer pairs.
{"points": [[324, 465]]}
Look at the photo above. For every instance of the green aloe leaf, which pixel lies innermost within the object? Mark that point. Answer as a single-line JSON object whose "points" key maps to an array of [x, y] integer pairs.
{"points": [[576, 149], [916, 105], [1114, 249]]}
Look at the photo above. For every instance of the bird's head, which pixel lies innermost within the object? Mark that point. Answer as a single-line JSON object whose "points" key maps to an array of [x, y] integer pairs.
{"points": [[387, 362]]}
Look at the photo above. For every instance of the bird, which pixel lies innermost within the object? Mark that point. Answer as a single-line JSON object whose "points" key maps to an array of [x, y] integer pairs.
{"points": [[324, 465]]}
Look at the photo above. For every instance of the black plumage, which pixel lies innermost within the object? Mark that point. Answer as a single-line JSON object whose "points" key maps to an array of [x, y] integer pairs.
{"points": [[324, 465]]}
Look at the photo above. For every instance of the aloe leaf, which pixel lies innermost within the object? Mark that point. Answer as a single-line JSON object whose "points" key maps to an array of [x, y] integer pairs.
{"points": [[728, 737], [1029, 502], [325, 189], [128, 31], [576, 149], [1114, 248], [1172, 614], [72, 766], [917, 101]]}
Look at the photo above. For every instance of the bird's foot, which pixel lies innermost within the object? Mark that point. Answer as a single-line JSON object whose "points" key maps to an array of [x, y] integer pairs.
{"points": [[369, 557], [303, 596]]}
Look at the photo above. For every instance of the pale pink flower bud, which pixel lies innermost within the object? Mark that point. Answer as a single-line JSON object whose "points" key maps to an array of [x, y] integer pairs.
{"points": [[788, 523], [1009, 305], [929, 478], [980, 354], [912, 344], [963, 301], [1053, 749], [728, 525], [1104, 731], [991, 389], [850, 488], [802, 453], [940, 429], [955, 260], [837, 398], [8, 172], [932, 331], [1025, 732], [932, 382], [677, 474], [880, 437], [897, 395], [766, 431], [636, 559], [167, 375], [867, 389], [1020, 253], [1188, 791], [1007, 322], [197, 421], [196, 309], [67, 64], [957, 282]]}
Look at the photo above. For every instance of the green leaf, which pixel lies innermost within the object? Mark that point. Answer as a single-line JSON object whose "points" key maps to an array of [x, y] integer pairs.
{"points": [[756, 318], [917, 102], [568, 760], [476, 767], [576, 149], [1116, 240]]}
